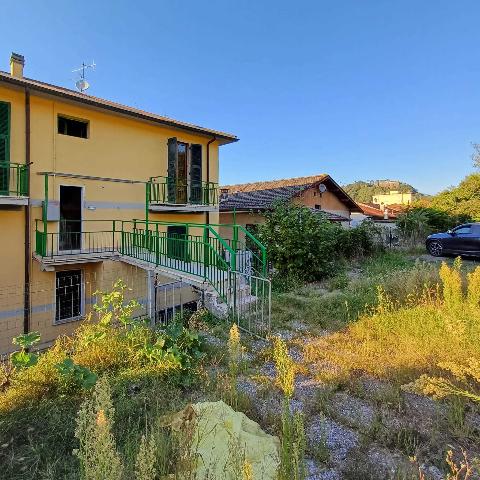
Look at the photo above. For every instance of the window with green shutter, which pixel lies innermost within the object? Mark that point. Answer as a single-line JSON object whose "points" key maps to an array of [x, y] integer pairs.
{"points": [[4, 147], [196, 194], [4, 132]]}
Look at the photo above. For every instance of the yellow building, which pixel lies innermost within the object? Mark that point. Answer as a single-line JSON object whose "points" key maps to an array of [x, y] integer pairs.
{"points": [[394, 197], [92, 191], [245, 204]]}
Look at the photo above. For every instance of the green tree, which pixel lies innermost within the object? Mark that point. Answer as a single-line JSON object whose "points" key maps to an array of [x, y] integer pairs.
{"points": [[300, 243], [364, 191], [461, 202]]}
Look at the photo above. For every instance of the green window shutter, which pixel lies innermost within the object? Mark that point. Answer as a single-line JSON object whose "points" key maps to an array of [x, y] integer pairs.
{"points": [[4, 147], [172, 169], [4, 132], [196, 173]]}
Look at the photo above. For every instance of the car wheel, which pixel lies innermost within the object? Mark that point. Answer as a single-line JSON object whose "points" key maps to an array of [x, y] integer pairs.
{"points": [[435, 249]]}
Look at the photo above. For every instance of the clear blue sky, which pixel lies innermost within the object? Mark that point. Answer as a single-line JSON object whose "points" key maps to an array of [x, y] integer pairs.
{"points": [[360, 89]]}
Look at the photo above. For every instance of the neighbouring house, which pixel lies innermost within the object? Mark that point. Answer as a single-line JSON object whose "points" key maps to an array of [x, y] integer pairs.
{"points": [[245, 204], [92, 191], [382, 216], [393, 197]]}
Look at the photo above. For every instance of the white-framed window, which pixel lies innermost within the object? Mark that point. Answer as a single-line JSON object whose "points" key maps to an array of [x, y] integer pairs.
{"points": [[69, 293]]}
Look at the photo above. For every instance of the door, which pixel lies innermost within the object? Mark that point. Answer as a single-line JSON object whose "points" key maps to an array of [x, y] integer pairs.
{"points": [[197, 194], [460, 240], [182, 185], [70, 231], [177, 242], [177, 185]]}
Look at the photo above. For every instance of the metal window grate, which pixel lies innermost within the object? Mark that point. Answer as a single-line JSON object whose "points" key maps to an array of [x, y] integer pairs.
{"points": [[68, 295]]}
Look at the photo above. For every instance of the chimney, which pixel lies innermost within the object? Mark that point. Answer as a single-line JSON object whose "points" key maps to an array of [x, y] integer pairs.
{"points": [[16, 65]]}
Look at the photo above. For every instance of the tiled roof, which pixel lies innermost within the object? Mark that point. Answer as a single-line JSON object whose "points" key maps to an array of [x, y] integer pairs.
{"points": [[261, 195], [271, 184], [265, 199], [396, 207], [374, 211], [334, 217], [259, 199], [98, 102]]}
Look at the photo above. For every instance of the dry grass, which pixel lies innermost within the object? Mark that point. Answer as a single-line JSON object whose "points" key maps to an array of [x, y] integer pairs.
{"points": [[399, 342]]}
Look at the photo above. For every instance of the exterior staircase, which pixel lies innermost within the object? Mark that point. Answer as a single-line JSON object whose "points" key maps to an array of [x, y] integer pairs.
{"points": [[231, 276]]}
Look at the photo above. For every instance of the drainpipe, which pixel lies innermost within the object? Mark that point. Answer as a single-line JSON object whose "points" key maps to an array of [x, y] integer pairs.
{"points": [[26, 300], [208, 174]]}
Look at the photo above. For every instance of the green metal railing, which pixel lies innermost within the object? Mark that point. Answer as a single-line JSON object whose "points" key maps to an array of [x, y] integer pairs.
{"points": [[182, 192], [13, 179], [100, 236], [206, 254]]}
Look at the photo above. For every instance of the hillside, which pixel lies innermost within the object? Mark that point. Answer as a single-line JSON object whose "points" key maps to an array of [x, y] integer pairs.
{"points": [[363, 191]]}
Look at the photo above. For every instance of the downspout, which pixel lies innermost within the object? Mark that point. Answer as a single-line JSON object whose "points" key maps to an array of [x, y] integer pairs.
{"points": [[26, 304], [208, 174]]}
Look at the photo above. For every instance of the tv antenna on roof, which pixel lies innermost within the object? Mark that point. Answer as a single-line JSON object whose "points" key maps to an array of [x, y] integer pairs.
{"points": [[82, 83]]}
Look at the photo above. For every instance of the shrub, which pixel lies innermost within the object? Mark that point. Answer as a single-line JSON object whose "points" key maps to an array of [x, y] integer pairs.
{"points": [[99, 459], [305, 246], [74, 376], [359, 241], [292, 446], [299, 242], [234, 363], [418, 221], [145, 463], [115, 344]]}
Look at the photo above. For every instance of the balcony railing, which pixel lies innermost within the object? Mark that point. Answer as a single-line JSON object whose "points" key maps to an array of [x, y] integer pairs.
{"points": [[207, 255], [13, 179], [166, 190]]}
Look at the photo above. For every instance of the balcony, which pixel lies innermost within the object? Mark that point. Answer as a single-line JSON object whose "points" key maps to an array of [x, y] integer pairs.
{"points": [[165, 194], [13, 184], [199, 255]]}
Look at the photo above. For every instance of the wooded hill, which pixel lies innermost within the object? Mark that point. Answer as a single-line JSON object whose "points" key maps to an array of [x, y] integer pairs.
{"points": [[363, 191]]}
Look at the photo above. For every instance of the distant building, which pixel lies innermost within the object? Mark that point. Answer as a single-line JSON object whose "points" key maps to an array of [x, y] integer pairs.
{"points": [[394, 197], [383, 217]]}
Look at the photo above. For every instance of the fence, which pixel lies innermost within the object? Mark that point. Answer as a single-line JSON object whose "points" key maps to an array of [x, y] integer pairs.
{"points": [[253, 299], [13, 179], [176, 191]]}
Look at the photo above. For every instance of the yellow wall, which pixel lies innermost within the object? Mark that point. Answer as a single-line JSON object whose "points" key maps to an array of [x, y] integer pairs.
{"points": [[241, 218], [118, 147], [393, 197], [328, 201]]}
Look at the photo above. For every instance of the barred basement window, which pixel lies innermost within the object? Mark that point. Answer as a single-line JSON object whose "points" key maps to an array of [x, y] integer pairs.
{"points": [[74, 128], [68, 295]]}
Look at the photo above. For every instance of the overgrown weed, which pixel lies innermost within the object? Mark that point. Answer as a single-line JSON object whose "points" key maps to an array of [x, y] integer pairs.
{"points": [[400, 341]]}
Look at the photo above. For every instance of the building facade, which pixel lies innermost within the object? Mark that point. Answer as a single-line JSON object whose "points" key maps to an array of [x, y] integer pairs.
{"points": [[245, 204], [394, 197], [92, 191]]}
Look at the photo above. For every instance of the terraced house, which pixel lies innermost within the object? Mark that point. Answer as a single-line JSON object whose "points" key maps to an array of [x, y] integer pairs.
{"points": [[92, 191]]}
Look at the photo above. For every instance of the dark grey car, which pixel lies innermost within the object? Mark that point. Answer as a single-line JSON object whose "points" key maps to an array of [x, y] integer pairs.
{"points": [[462, 240]]}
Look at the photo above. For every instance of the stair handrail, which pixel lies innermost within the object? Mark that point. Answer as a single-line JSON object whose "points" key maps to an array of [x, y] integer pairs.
{"points": [[228, 248], [261, 247]]}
